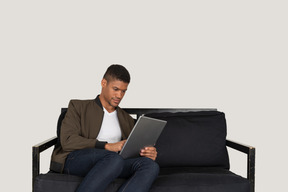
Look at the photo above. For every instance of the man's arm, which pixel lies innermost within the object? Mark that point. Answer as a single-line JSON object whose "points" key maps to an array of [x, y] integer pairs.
{"points": [[70, 131]]}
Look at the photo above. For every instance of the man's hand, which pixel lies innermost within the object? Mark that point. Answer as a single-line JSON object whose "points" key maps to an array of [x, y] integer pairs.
{"points": [[115, 146], [149, 152]]}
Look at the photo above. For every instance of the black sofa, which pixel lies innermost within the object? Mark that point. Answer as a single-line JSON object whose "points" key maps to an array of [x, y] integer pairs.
{"points": [[192, 155]]}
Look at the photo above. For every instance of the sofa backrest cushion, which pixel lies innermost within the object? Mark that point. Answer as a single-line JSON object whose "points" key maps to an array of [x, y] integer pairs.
{"points": [[192, 139]]}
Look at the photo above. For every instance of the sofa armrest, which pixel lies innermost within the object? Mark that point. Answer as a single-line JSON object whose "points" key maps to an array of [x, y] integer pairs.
{"points": [[36, 150], [250, 151]]}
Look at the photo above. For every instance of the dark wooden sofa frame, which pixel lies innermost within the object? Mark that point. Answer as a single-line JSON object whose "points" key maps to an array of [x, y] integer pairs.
{"points": [[248, 150]]}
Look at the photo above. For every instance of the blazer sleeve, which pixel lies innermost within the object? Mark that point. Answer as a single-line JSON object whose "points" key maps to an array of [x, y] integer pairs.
{"points": [[70, 136]]}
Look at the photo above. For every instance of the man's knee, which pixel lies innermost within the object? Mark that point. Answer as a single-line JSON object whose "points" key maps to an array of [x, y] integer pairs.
{"points": [[153, 166], [115, 160], [149, 165]]}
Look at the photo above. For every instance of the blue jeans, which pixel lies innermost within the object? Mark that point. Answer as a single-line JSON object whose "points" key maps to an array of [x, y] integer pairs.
{"points": [[100, 167]]}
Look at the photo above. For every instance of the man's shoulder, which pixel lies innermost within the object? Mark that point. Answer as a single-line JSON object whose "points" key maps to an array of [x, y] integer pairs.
{"points": [[81, 101], [124, 113], [120, 110], [82, 104]]}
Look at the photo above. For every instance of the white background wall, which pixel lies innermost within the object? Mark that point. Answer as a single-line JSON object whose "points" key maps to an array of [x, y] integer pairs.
{"points": [[230, 55]]}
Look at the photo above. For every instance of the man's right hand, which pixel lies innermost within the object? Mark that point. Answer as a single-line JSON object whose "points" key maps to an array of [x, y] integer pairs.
{"points": [[115, 146]]}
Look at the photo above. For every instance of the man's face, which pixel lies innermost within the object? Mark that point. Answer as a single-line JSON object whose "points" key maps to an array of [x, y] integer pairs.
{"points": [[113, 92]]}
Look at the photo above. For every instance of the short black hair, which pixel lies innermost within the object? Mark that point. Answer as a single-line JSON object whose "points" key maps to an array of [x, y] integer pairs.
{"points": [[117, 72]]}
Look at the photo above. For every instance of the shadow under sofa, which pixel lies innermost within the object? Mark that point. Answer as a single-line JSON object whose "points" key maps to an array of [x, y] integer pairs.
{"points": [[192, 155]]}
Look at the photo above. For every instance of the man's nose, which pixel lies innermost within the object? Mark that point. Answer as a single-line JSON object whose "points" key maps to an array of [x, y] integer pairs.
{"points": [[119, 94]]}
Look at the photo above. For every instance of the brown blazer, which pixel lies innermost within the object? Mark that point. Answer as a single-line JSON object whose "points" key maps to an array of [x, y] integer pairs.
{"points": [[80, 128]]}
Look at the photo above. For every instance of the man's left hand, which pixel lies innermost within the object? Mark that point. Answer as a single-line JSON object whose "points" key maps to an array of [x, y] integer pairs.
{"points": [[149, 152]]}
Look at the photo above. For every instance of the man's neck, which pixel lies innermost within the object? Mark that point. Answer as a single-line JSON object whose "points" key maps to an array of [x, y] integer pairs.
{"points": [[106, 105]]}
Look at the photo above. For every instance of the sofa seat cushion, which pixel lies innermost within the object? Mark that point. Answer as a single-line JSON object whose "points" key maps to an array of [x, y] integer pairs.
{"points": [[199, 180], [55, 182], [174, 179], [194, 179]]}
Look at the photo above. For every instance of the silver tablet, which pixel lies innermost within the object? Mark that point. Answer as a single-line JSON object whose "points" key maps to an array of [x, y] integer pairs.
{"points": [[145, 133]]}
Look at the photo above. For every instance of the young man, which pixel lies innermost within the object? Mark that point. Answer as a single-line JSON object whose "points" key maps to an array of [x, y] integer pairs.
{"points": [[92, 133]]}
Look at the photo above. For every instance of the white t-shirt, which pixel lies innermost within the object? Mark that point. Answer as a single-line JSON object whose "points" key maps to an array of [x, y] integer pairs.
{"points": [[110, 129]]}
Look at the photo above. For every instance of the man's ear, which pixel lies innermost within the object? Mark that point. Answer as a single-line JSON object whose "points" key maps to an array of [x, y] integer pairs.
{"points": [[103, 82]]}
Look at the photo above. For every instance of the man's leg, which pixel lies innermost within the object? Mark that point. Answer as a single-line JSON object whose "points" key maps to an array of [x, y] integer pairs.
{"points": [[99, 167], [141, 173]]}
